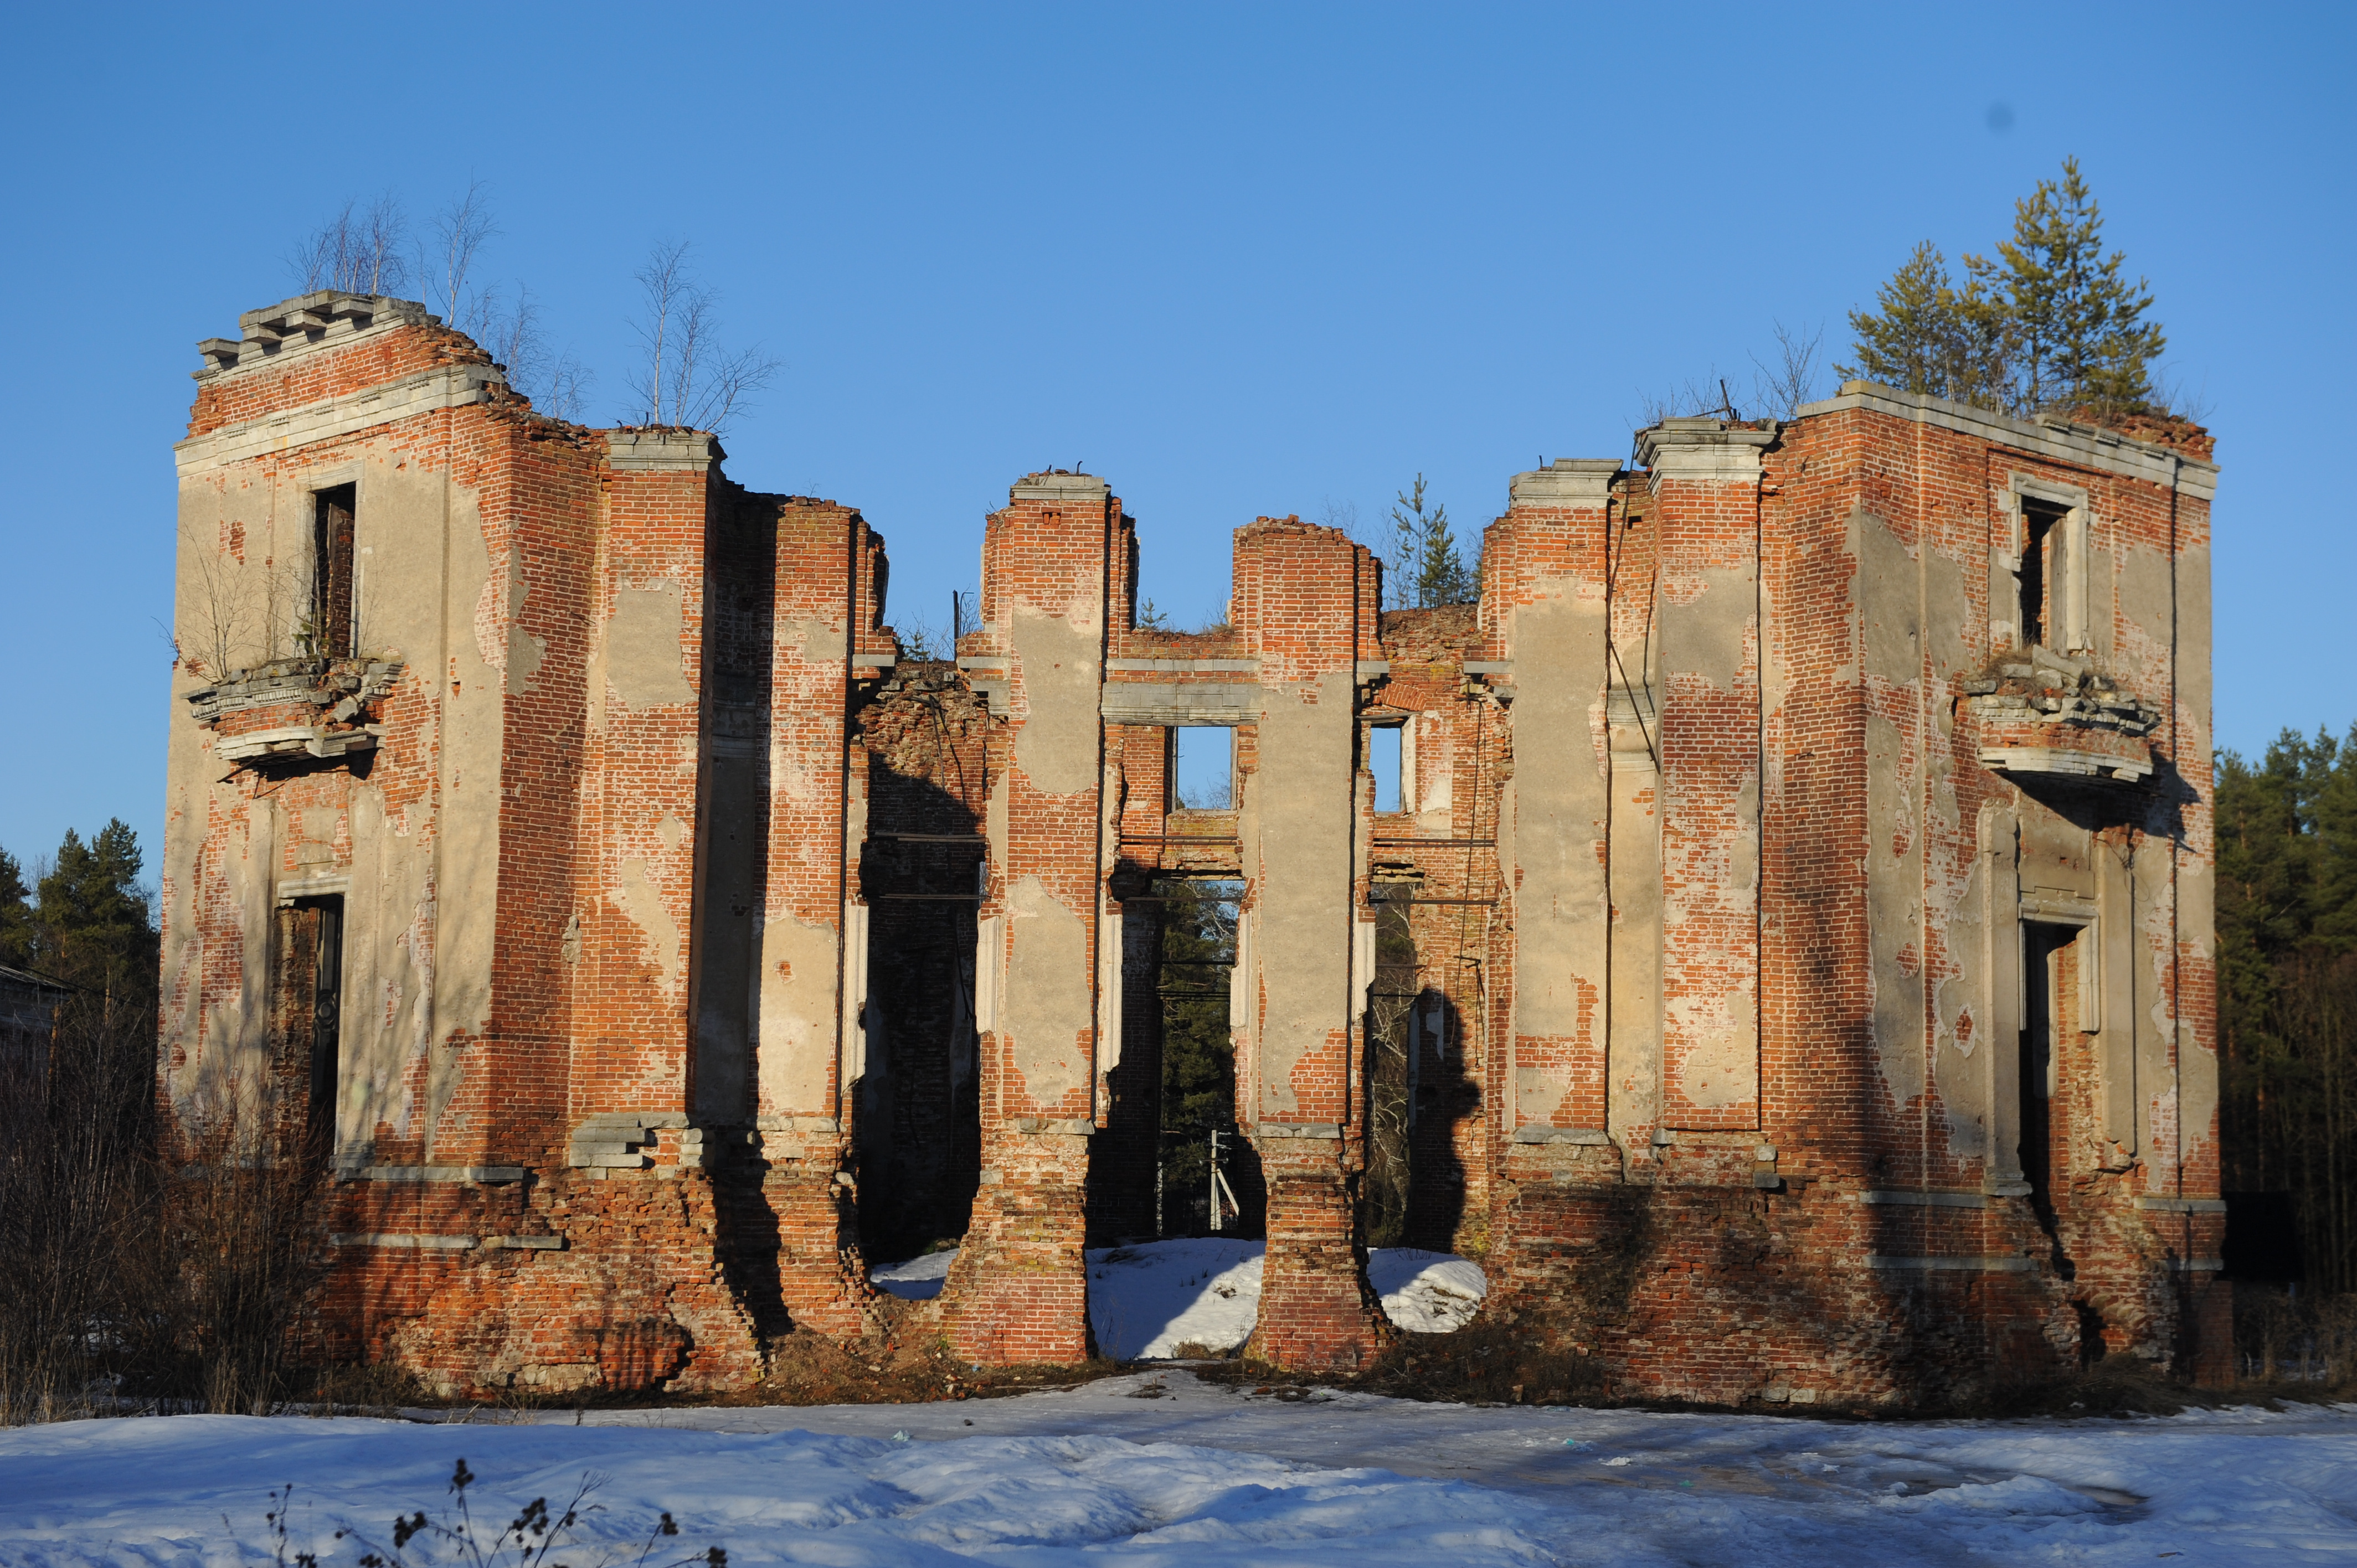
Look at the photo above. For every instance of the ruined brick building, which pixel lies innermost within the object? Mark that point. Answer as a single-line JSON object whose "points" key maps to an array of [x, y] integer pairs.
{"points": [[1798, 881]]}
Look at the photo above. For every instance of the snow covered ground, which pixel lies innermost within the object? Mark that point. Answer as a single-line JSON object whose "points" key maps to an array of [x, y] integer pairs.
{"points": [[1197, 1475], [1147, 1300]]}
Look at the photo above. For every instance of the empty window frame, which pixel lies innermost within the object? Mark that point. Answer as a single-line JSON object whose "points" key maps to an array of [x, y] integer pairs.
{"points": [[330, 620], [1203, 767], [2054, 575], [1384, 758]]}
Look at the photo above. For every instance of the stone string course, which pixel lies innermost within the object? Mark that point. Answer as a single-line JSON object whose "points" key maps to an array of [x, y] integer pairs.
{"points": [[700, 943]]}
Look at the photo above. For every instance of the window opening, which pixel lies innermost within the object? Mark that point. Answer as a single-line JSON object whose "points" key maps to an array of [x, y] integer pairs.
{"points": [[1384, 748], [2042, 574], [330, 628], [1202, 769]]}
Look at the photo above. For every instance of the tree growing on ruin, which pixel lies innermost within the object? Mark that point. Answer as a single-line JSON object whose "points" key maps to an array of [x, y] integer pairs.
{"points": [[373, 250], [2049, 321], [360, 250], [1926, 336], [688, 380], [1420, 553]]}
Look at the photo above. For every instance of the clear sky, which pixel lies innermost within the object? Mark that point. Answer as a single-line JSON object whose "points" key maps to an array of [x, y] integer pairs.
{"points": [[1243, 260]]}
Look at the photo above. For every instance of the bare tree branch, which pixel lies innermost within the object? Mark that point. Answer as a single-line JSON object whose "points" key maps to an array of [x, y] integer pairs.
{"points": [[458, 232], [1788, 378], [355, 252], [687, 379]]}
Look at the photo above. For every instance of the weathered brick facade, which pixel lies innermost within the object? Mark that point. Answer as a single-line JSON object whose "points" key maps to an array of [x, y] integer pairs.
{"points": [[1805, 845]]}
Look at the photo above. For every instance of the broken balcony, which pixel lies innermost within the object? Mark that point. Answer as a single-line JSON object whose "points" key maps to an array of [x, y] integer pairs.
{"points": [[292, 712], [2045, 713]]}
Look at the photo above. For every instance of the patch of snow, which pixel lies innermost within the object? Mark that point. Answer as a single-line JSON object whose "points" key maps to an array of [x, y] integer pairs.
{"points": [[1427, 1293], [1146, 1300], [1206, 1475], [918, 1279]]}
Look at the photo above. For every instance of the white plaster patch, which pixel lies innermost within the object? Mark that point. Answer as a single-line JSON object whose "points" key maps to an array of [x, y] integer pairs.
{"points": [[1047, 1002], [797, 1015], [643, 903], [644, 660]]}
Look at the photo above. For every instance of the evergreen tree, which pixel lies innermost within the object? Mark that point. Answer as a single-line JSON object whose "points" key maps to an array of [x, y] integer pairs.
{"points": [[2079, 325], [2050, 322], [93, 925], [1929, 337], [2286, 921], [16, 914], [1422, 554]]}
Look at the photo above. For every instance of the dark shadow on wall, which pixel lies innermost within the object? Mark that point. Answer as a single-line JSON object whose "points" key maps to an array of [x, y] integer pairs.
{"points": [[1418, 1092]]}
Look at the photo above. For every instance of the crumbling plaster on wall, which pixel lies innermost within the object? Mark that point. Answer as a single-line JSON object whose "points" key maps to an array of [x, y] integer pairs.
{"points": [[1560, 809], [1301, 841], [1059, 660], [1049, 1011]]}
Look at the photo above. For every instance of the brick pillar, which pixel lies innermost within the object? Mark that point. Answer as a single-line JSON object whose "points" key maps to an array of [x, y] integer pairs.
{"points": [[1305, 597], [1019, 1290], [640, 1205], [1544, 596], [1706, 495], [827, 643], [632, 1029]]}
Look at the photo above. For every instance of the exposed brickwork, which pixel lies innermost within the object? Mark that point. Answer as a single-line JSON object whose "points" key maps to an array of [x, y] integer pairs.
{"points": [[696, 951]]}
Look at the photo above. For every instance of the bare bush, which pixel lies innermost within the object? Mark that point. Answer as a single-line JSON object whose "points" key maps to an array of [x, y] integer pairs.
{"points": [[76, 1202], [1789, 377], [239, 1254]]}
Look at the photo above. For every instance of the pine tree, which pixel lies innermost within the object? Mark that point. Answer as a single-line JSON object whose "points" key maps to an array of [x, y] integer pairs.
{"points": [[1422, 553], [2050, 322], [2078, 324], [1929, 337], [16, 914], [94, 927]]}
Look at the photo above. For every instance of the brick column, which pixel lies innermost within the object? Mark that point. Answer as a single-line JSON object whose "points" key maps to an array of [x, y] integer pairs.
{"points": [[1018, 1292], [1706, 484], [1305, 598], [632, 1033], [811, 969], [1545, 597]]}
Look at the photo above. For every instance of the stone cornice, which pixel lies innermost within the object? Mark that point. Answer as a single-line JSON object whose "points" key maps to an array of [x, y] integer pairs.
{"points": [[662, 451], [2047, 437], [1702, 451], [1565, 482], [308, 323], [1066, 488]]}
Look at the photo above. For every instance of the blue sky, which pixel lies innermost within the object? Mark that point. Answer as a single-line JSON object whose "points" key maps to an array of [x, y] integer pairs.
{"points": [[1239, 259]]}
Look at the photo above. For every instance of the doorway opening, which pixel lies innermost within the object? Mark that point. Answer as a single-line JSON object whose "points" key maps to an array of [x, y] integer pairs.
{"points": [[1207, 1180], [2043, 945]]}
